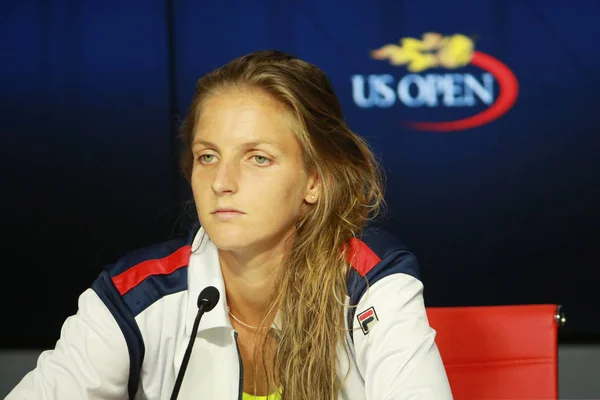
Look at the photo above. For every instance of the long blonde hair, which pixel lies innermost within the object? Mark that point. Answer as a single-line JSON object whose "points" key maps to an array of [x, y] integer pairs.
{"points": [[312, 284]]}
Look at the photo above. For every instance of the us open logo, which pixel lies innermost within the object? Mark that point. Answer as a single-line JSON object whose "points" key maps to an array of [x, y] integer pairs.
{"points": [[444, 73], [367, 319]]}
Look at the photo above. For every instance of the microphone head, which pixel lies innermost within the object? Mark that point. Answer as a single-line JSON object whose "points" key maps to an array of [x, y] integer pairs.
{"points": [[208, 298]]}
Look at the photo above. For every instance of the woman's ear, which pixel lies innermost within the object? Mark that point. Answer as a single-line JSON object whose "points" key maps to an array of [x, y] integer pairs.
{"points": [[313, 189]]}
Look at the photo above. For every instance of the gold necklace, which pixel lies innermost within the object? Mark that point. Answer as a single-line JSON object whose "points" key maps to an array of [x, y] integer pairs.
{"points": [[243, 323]]}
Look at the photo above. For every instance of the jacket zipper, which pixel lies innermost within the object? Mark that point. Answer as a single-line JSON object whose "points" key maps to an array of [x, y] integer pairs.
{"points": [[237, 346]]}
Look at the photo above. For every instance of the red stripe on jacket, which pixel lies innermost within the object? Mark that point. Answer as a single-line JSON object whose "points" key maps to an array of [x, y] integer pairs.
{"points": [[361, 257], [129, 279]]}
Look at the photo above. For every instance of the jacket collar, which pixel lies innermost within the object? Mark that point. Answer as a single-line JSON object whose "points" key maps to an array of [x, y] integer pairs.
{"points": [[204, 270]]}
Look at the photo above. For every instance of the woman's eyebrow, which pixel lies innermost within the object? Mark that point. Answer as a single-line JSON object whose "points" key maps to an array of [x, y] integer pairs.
{"points": [[245, 145]]}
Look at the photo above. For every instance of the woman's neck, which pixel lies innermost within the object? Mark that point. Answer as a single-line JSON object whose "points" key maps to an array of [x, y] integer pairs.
{"points": [[250, 284]]}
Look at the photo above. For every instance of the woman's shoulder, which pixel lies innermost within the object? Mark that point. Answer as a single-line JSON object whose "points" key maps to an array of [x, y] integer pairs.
{"points": [[374, 256], [381, 240], [161, 253], [376, 251], [145, 275], [135, 259]]}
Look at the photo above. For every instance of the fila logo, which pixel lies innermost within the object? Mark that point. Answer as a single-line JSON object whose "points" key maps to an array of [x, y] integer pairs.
{"points": [[367, 319]]}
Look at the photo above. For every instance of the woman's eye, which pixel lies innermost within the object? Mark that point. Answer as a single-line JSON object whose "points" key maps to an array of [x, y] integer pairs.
{"points": [[206, 158], [261, 160]]}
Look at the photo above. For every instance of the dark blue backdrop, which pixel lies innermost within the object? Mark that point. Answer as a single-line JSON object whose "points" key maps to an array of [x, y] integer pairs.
{"points": [[503, 213]]}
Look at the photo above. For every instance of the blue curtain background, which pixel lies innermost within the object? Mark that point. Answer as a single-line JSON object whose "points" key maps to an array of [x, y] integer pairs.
{"points": [[505, 213]]}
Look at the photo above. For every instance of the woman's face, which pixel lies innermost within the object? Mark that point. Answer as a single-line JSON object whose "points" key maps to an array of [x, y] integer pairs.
{"points": [[248, 178]]}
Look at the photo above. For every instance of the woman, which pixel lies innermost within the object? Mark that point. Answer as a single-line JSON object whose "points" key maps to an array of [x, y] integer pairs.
{"points": [[313, 305]]}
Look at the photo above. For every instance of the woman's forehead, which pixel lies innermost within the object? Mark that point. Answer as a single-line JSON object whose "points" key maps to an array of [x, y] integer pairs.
{"points": [[242, 117]]}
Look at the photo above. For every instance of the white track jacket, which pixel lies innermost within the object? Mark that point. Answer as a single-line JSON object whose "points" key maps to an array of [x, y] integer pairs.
{"points": [[129, 335]]}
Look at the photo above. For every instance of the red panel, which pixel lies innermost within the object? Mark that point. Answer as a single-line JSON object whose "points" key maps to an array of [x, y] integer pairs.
{"points": [[361, 257], [499, 352]]}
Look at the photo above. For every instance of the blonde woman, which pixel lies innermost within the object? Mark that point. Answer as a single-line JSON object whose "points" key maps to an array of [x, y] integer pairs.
{"points": [[314, 304]]}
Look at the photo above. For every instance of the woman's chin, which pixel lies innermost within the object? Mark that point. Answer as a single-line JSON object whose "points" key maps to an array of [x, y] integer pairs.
{"points": [[229, 239]]}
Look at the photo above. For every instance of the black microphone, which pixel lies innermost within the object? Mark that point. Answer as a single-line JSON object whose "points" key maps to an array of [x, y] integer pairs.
{"points": [[207, 300]]}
